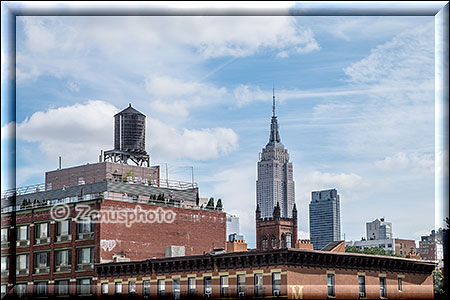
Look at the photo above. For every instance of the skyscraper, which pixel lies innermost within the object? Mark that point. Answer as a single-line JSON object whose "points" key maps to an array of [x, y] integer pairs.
{"points": [[324, 218], [275, 182]]}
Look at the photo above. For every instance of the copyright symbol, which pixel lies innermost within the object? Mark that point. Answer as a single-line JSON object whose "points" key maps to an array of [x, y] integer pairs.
{"points": [[60, 212]]}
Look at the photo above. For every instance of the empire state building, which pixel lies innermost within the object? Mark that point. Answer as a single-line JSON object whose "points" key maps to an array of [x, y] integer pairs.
{"points": [[275, 182]]}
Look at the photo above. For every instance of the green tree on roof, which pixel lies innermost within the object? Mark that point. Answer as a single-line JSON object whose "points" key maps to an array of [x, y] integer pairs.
{"points": [[210, 204], [219, 205]]}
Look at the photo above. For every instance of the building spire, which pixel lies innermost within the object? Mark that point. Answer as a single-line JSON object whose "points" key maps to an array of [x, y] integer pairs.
{"points": [[273, 103]]}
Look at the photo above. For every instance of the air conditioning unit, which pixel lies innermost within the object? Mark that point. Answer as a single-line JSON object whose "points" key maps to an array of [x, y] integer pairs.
{"points": [[86, 236], [5, 245], [277, 293], [362, 295], [22, 272], [5, 274], [85, 267], [63, 268], [64, 238], [23, 243], [44, 240], [42, 270], [242, 294]]}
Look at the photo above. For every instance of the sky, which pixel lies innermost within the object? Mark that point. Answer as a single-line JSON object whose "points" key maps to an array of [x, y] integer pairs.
{"points": [[355, 105]]}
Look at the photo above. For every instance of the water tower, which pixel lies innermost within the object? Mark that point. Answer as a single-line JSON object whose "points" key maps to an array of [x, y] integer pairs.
{"points": [[129, 138]]}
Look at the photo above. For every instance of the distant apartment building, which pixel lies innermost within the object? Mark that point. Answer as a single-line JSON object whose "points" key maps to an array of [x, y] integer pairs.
{"points": [[401, 247], [431, 247], [324, 218], [232, 224], [378, 230]]}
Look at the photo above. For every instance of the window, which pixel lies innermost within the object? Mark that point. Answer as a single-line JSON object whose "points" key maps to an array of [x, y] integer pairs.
{"points": [[42, 262], [5, 264], [62, 287], [40, 289], [84, 286], [85, 228], [104, 289], [288, 241], [191, 286], [276, 284], [161, 288], [330, 284], [118, 288], [41, 231], [21, 290], [207, 286], [132, 288], [63, 230], [264, 242], [274, 241], [63, 260], [4, 290], [362, 286], [382, 287], [400, 284], [5, 235], [176, 288], [22, 264], [85, 258], [258, 285], [241, 285], [146, 289], [224, 286], [23, 236]]}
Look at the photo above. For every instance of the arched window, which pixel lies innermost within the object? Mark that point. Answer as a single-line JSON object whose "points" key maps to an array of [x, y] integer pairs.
{"points": [[288, 240], [264, 242], [274, 241], [283, 241]]}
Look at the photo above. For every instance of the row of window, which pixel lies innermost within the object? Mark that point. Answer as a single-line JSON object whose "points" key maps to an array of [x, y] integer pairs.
{"points": [[84, 287], [192, 291], [40, 289], [362, 286], [85, 230], [62, 261], [286, 241]]}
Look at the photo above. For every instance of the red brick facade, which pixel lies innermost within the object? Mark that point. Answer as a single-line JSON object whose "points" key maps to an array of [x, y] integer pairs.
{"points": [[276, 232], [197, 230]]}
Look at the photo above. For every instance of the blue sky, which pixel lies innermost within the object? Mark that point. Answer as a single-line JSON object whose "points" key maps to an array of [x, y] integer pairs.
{"points": [[355, 104]]}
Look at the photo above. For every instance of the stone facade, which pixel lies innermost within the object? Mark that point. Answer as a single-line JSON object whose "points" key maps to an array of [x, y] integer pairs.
{"points": [[276, 232]]}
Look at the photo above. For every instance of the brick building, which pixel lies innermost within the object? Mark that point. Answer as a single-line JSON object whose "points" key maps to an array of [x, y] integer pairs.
{"points": [[431, 247], [276, 232], [286, 273], [46, 251], [101, 171]]}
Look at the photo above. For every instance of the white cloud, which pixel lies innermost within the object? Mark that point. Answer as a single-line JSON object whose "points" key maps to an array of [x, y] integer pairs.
{"points": [[73, 86], [201, 144], [76, 46], [341, 181], [407, 57], [411, 161], [78, 133], [245, 94]]}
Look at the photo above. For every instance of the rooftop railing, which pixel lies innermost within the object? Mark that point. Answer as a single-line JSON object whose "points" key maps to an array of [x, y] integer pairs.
{"points": [[40, 187]]}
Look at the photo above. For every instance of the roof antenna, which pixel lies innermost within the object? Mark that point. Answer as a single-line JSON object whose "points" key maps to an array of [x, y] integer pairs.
{"points": [[273, 103]]}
